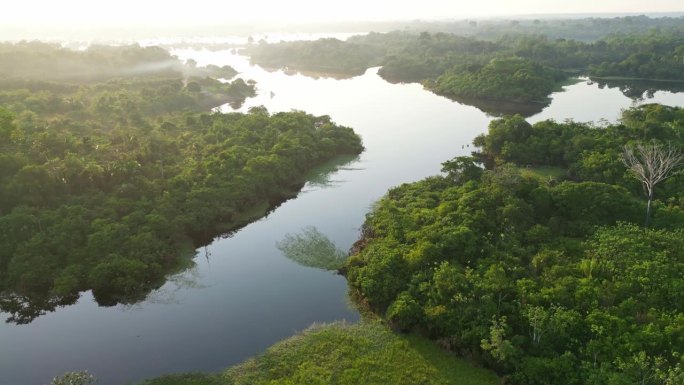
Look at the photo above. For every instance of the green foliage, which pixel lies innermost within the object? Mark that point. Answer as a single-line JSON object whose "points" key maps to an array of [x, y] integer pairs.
{"points": [[587, 152], [509, 73], [512, 79], [544, 280], [462, 169], [498, 346], [186, 379], [122, 84], [108, 186], [323, 55], [651, 56], [582, 29], [37, 65]]}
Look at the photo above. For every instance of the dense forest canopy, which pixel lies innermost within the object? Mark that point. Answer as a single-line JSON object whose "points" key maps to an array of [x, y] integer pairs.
{"points": [[511, 79], [523, 68], [538, 265], [128, 80], [110, 184], [538, 257], [35, 60], [558, 27]]}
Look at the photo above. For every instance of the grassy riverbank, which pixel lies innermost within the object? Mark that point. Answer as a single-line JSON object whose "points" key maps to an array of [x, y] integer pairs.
{"points": [[339, 353]]}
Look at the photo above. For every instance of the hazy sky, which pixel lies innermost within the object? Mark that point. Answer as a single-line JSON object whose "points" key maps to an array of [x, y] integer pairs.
{"points": [[168, 12]]}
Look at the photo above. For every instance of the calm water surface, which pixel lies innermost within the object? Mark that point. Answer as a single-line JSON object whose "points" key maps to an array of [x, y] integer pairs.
{"points": [[243, 294]]}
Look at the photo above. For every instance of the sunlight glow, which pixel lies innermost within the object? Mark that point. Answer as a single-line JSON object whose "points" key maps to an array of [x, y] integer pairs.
{"points": [[90, 13]]}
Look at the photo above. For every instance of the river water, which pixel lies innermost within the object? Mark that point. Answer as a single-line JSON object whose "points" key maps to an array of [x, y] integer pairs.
{"points": [[243, 294]]}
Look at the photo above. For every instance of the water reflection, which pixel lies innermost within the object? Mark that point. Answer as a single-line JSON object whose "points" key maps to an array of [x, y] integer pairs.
{"points": [[23, 309], [321, 177], [499, 108], [323, 74], [189, 279], [312, 74], [313, 249], [639, 90]]}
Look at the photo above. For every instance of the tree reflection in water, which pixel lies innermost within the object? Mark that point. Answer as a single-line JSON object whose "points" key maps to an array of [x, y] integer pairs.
{"points": [[313, 249]]}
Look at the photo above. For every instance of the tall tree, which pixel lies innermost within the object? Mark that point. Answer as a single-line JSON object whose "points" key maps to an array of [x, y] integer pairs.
{"points": [[651, 164]]}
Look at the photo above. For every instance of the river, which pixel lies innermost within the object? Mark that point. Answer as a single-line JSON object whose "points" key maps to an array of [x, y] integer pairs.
{"points": [[243, 294]]}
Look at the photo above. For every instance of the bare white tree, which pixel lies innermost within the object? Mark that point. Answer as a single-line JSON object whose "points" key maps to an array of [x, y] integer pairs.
{"points": [[651, 164]]}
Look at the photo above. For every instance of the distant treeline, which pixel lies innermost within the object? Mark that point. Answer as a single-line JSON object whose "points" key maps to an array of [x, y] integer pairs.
{"points": [[570, 26], [557, 27], [111, 185], [37, 61], [511, 68]]}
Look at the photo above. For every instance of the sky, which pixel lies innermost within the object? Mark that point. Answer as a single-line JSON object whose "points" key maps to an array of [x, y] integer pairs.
{"points": [[90, 13]]}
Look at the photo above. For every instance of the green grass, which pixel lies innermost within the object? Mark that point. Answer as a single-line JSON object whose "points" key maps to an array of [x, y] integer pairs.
{"points": [[451, 370], [187, 379], [544, 173], [366, 353]]}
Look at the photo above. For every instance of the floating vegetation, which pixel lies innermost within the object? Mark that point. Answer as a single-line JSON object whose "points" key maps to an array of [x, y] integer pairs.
{"points": [[313, 249]]}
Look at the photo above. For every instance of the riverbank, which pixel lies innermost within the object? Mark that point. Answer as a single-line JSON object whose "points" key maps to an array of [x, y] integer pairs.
{"points": [[633, 79], [340, 353]]}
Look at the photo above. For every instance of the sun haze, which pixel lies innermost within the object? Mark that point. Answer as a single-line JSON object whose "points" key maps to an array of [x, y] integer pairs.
{"points": [[90, 13]]}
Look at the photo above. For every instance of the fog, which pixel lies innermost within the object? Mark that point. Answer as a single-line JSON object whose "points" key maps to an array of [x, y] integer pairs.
{"points": [[138, 19]]}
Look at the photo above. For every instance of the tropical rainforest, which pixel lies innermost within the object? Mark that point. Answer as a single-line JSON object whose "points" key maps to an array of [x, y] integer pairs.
{"points": [[514, 68], [585, 29], [113, 169], [530, 258], [538, 265], [541, 258]]}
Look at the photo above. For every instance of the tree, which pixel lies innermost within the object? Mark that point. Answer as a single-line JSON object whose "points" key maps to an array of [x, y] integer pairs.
{"points": [[651, 164], [497, 345], [462, 169], [6, 125], [194, 87]]}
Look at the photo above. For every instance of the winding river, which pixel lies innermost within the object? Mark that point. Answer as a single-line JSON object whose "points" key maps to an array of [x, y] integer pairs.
{"points": [[243, 294]]}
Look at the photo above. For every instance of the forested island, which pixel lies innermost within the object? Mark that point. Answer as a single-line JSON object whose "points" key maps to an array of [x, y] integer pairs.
{"points": [[519, 69], [113, 169]]}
